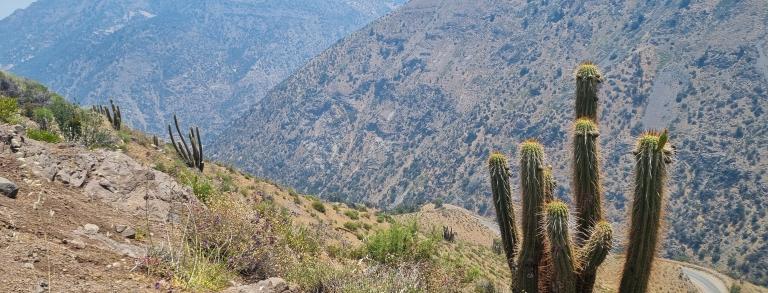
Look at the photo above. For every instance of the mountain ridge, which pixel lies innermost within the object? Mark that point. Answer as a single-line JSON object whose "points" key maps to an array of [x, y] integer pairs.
{"points": [[406, 110], [210, 58]]}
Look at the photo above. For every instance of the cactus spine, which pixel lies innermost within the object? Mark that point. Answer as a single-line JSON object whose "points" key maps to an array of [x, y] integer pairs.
{"points": [[552, 261], [502, 200], [651, 158], [194, 157]]}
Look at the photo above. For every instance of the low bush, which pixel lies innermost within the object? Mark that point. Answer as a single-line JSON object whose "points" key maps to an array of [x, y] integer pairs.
{"points": [[202, 188], [352, 226], [9, 109], [400, 243], [319, 206], [43, 135], [352, 214], [43, 117]]}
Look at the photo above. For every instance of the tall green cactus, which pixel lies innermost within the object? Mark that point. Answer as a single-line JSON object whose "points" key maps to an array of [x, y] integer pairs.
{"points": [[502, 200], [533, 197], [651, 158], [548, 259], [563, 258], [192, 157], [588, 79]]}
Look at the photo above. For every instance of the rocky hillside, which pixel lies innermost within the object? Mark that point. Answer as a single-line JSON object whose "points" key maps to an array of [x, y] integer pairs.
{"points": [[196, 58], [407, 110], [128, 215]]}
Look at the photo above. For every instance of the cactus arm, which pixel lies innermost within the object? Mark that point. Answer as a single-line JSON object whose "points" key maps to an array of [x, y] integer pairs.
{"points": [[586, 177], [199, 147], [588, 79], [502, 200], [173, 142], [533, 194], [181, 136], [563, 259], [651, 161], [592, 255]]}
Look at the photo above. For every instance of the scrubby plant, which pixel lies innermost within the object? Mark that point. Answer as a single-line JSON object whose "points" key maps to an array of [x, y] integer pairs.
{"points": [[43, 117], [192, 157], [43, 135], [352, 214], [400, 243], [92, 132], [318, 206], [9, 109], [546, 257], [68, 117]]}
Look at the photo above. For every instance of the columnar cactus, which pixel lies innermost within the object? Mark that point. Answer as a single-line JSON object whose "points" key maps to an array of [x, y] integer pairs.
{"points": [[194, 157], [533, 197], [550, 259], [652, 154], [115, 117], [563, 258], [502, 201]]}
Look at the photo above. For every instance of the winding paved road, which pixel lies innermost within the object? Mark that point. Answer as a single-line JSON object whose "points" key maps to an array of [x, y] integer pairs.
{"points": [[706, 282]]}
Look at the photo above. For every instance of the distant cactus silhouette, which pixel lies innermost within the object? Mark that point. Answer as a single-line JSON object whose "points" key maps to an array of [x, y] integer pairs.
{"points": [[115, 116], [448, 234], [192, 157], [550, 259]]}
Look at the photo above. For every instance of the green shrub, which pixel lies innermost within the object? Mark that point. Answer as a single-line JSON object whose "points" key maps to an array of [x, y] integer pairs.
{"points": [[300, 239], [319, 206], [485, 286], [67, 117], [202, 188], [9, 110], [352, 226], [400, 242], [93, 132], [43, 135], [471, 274], [352, 214], [43, 117]]}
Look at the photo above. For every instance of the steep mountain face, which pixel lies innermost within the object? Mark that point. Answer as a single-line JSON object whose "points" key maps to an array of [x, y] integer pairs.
{"points": [[408, 109], [205, 60]]}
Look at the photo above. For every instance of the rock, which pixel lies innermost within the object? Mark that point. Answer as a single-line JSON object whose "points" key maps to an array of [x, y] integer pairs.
{"points": [[8, 188], [18, 129], [271, 285], [129, 233], [76, 243], [15, 144], [120, 228], [28, 265], [41, 287], [91, 229]]}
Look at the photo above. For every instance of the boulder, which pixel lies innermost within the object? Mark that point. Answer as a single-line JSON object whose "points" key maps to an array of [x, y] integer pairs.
{"points": [[90, 229], [8, 188]]}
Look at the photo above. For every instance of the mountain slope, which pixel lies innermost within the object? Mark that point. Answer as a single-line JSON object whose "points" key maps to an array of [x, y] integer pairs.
{"points": [[407, 110], [197, 58]]}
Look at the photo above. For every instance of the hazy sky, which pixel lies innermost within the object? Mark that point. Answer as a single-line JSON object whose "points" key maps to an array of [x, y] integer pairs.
{"points": [[8, 6]]}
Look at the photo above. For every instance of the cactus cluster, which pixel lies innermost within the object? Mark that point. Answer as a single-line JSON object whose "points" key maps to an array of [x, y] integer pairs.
{"points": [[448, 234], [548, 257], [114, 116], [192, 157]]}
